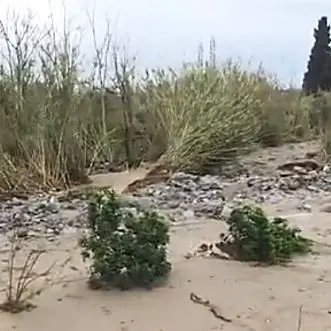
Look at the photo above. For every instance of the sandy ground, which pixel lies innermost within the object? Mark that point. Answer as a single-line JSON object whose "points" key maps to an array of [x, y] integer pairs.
{"points": [[254, 298], [118, 181]]}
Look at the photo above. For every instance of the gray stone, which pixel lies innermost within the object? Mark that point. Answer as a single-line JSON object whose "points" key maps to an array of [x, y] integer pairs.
{"points": [[227, 210], [188, 214], [184, 197], [305, 206]]}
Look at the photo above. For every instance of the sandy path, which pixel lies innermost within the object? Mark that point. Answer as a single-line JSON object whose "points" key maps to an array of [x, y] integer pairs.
{"points": [[254, 298], [119, 181]]}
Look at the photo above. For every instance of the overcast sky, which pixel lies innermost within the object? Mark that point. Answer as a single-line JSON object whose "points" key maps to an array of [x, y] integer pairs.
{"points": [[165, 33]]}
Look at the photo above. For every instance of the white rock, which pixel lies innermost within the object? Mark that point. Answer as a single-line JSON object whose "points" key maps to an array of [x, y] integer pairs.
{"points": [[188, 214]]}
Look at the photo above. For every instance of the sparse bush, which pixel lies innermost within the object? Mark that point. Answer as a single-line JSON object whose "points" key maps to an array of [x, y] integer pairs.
{"points": [[20, 288], [256, 238], [50, 123], [126, 250]]}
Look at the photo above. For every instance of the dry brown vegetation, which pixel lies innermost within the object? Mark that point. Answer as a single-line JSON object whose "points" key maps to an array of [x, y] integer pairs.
{"points": [[58, 118], [23, 280]]}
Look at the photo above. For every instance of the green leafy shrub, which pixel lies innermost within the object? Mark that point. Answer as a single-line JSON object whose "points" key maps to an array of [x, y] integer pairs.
{"points": [[126, 250], [257, 238]]}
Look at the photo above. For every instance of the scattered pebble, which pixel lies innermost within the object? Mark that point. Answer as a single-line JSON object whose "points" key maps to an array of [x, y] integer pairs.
{"points": [[183, 198]]}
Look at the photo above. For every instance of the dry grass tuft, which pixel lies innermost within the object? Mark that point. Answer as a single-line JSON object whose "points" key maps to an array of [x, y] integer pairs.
{"points": [[208, 115], [19, 291], [24, 282]]}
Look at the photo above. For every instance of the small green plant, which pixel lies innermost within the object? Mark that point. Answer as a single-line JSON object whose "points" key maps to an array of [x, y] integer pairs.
{"points": [[257, 238], [126, 250]]}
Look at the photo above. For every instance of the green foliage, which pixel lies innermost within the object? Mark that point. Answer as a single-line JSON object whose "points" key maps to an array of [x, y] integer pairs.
{"points": [[259, 239], [126, 250], [318, 75]]}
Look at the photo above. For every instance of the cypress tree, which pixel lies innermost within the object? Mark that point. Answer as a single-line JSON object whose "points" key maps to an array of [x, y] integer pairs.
{"points": [[318, 74]]}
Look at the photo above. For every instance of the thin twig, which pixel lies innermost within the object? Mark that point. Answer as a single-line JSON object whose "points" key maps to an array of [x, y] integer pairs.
{"points": [[19, 290], [212, 308], [299, 319]]}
